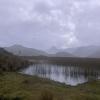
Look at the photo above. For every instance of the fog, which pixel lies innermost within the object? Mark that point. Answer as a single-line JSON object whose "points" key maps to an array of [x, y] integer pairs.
{"points": [[42, 24]]}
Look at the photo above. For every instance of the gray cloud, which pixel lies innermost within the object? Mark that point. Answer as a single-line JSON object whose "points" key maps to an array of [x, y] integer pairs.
{"points": [[45, 23], [88, 22]]}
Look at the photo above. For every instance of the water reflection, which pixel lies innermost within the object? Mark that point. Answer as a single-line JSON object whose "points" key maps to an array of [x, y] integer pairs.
{"points": [[71, 75]]}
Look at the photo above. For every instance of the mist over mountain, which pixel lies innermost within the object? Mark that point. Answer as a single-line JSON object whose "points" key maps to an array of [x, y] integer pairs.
{"points": [[95, 54], [83, 51], [53, 50], [24, 51], [49, 49]]}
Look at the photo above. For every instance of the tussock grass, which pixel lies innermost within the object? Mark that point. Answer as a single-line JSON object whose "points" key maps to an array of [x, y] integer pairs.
{"points": [[46, 95], [14, 86]]}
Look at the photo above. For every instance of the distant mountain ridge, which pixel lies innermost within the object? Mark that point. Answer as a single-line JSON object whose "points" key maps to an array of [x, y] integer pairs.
{"points": [[24, 51], [85, 51], [53, 50], [95, 54], [4, 52]]}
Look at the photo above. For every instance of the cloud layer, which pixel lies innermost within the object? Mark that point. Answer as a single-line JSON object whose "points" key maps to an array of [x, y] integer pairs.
{"points": [[45, 23]]}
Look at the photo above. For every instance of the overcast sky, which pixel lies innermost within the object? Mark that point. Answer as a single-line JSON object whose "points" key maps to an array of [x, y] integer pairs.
{"points": [[45, 23]]}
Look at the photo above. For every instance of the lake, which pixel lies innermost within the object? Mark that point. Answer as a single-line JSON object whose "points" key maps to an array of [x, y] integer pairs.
{"points": [[70, 75]]}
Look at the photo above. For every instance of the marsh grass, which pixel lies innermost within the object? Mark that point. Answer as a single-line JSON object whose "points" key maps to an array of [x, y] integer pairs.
{"points": [[10, 98], [14, 86], [46, 95]]}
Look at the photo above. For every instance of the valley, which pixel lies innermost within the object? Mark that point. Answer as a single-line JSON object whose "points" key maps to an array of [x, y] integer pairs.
{"points": [[47, 77]]}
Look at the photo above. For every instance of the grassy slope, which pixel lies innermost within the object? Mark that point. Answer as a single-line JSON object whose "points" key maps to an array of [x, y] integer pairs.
{"points": [[31, 88]]}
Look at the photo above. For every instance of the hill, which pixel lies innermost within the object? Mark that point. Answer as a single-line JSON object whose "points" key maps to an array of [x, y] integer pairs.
{"points": [[4, 52], [10, 62], [24, 51], [95, 55], [84, 51], [53, 50]]}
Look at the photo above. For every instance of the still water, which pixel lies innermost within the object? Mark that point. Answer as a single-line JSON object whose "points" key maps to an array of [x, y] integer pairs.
{"points": [[70, 75]]}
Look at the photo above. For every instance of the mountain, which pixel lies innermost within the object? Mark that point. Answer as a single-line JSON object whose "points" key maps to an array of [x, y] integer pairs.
{"points": [[24, 51], [83, 51], [4, 52], [53, 50], [95, 55], [62, 54]]}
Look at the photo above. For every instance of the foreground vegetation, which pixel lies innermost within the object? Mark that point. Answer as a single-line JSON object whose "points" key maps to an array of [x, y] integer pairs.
{"points": [[10, 62], [14, 86]]}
